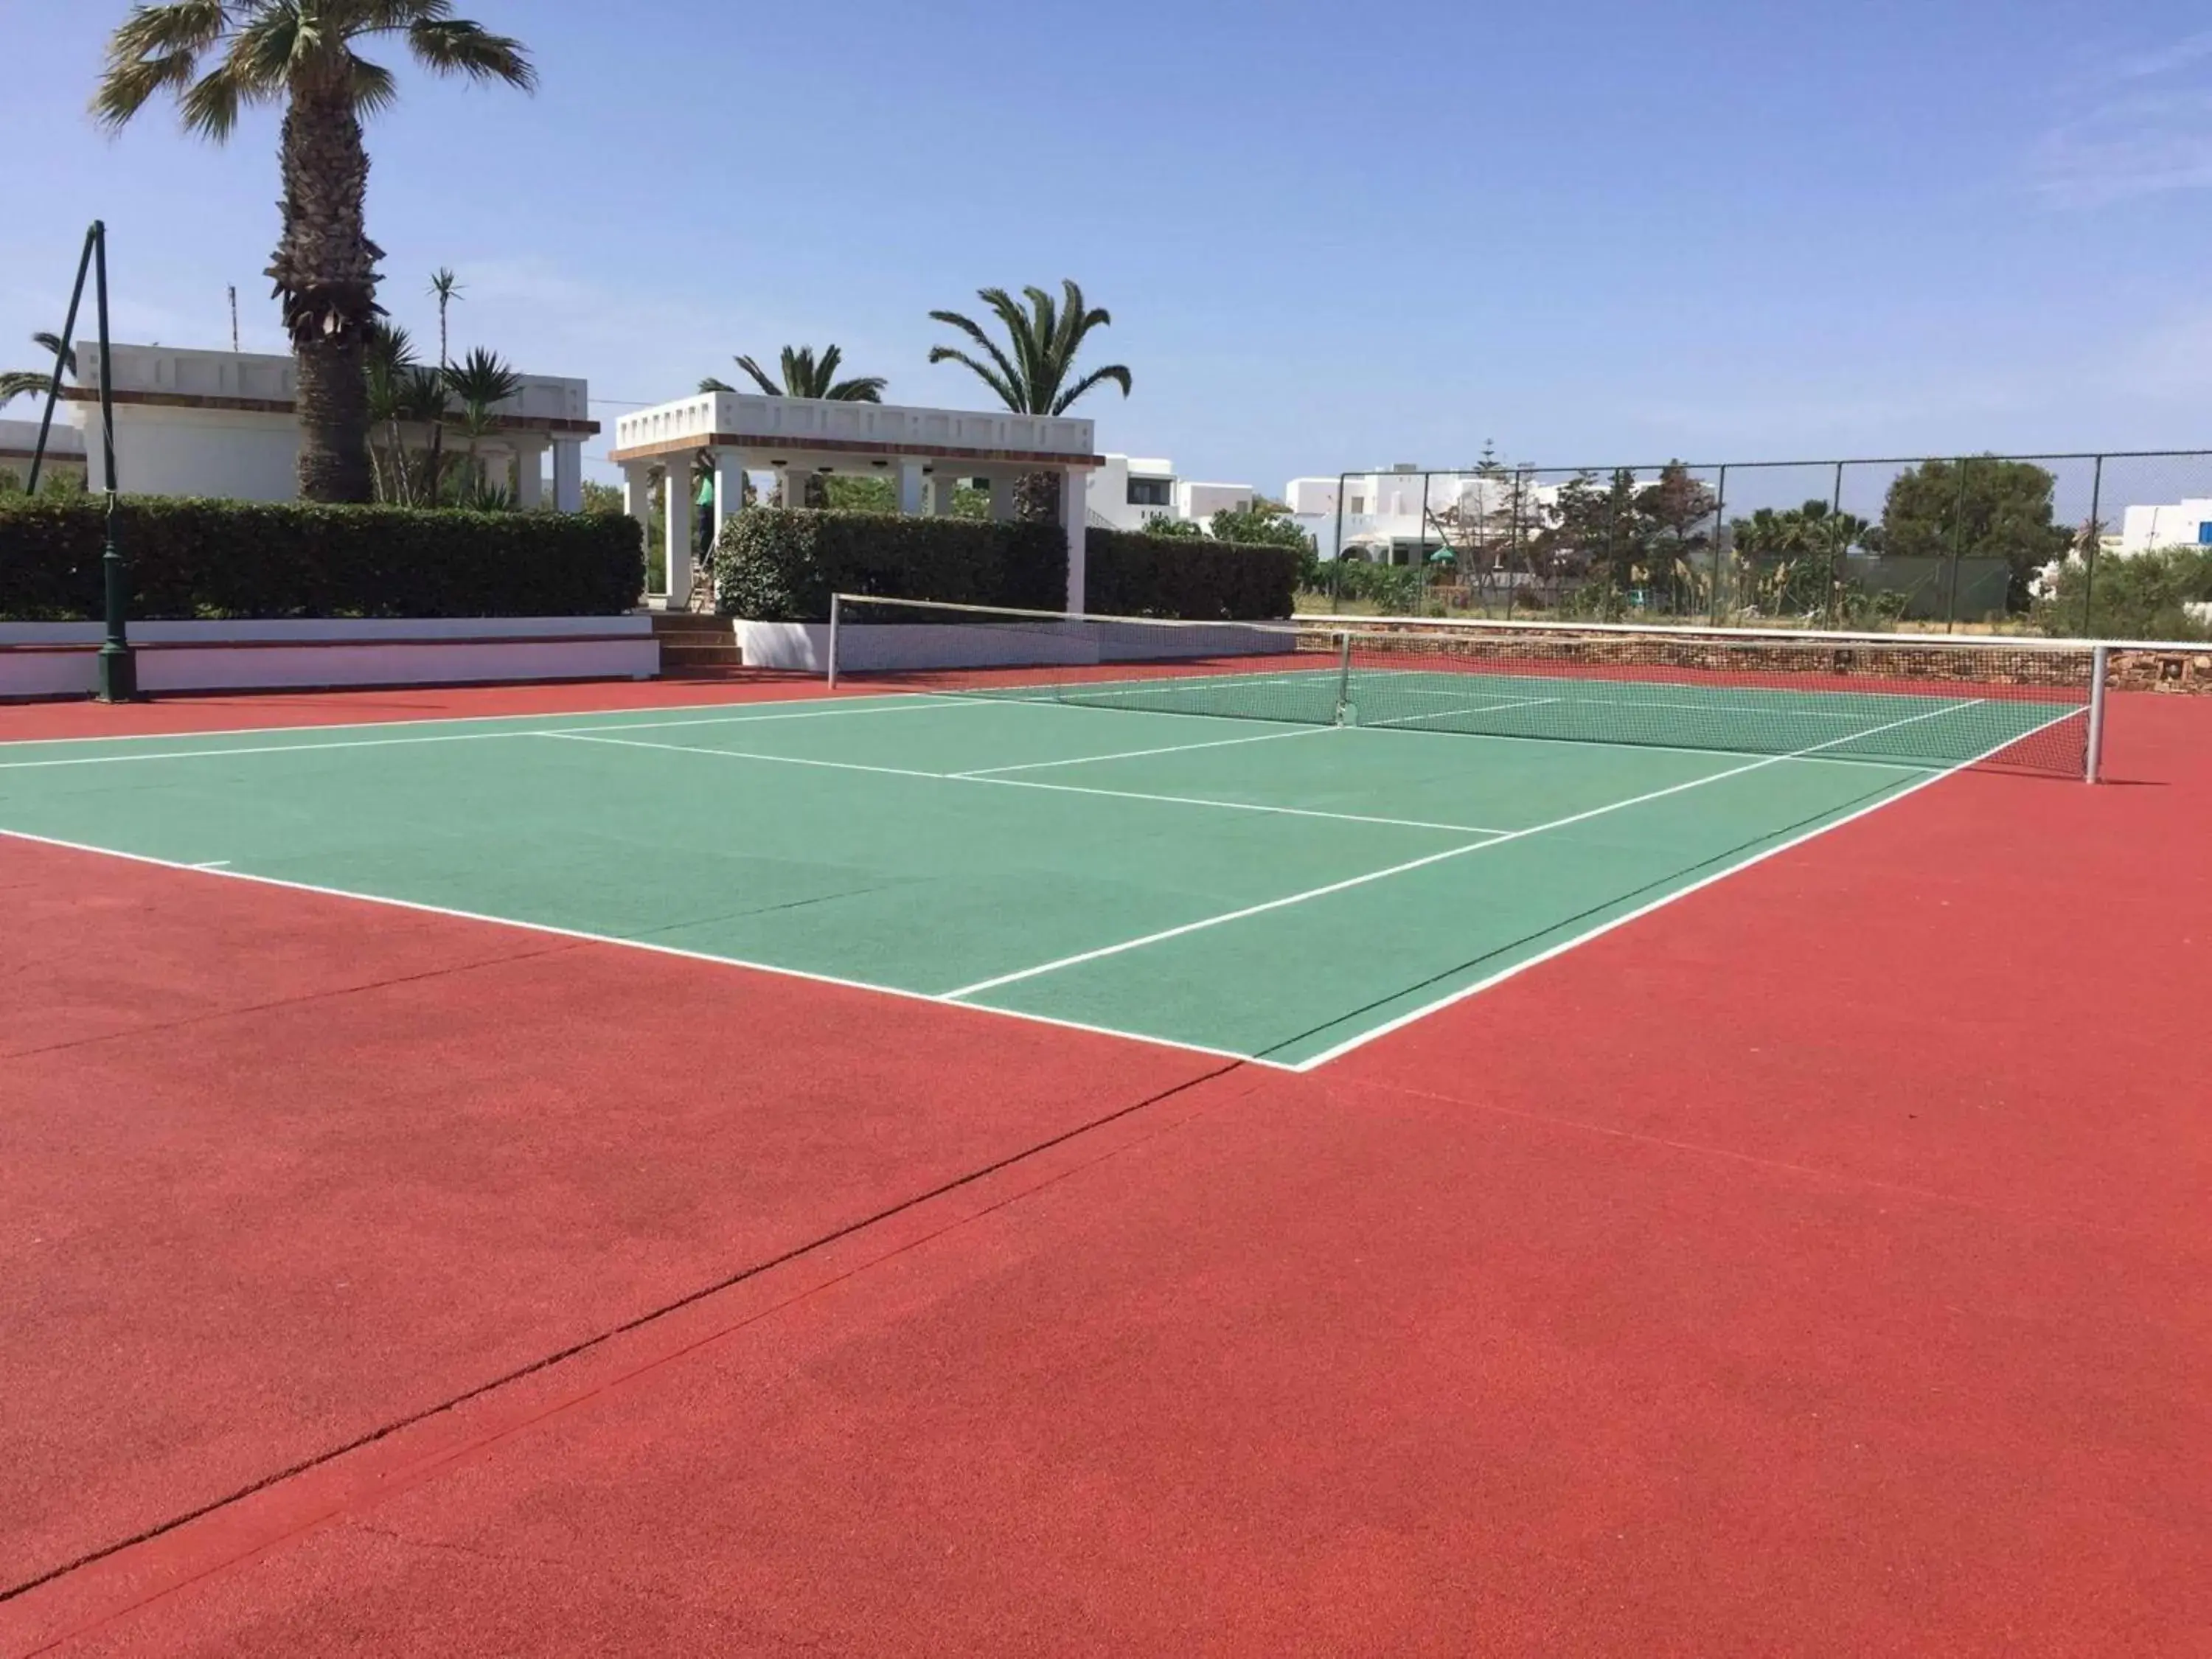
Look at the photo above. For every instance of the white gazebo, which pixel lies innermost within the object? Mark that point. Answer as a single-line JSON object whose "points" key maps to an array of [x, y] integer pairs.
{"points": [[925, 453], [227, 423]]}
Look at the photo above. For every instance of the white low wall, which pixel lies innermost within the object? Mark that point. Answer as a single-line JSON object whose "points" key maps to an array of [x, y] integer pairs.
{"points": [[875, 649], [53, 659]]}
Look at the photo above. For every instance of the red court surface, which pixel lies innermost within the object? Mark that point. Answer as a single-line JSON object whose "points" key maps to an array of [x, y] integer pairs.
{"points": [[1814, 1266]]}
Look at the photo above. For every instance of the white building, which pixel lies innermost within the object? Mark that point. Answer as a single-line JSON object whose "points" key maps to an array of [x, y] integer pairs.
{"points": [[226, 423], [2182, 524], [1127, 490], [1396, 514], [19, 442]]}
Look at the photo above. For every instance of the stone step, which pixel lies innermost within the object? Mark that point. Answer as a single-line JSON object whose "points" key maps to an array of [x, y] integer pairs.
{"points": [[684, 653], [666, 622]]}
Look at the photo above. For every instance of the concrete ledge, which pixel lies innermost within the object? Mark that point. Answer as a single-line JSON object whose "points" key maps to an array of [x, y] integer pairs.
{"points": [[55, 659]]}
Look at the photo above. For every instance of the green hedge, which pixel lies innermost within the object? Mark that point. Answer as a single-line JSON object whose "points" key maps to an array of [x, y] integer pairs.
{"points": [[253, 559], [1129, 574], [779, 564]]}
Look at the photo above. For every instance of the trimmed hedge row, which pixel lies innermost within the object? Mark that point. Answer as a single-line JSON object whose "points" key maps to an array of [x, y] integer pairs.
{"points": [[778, 565], [781, 564], [256, 559], [1129, 574]]}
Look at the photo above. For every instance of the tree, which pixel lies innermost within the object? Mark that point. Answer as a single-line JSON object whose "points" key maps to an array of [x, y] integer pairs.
{"points": [[1792, 560], [1174, 529], [805, 377], [444, 289], [482, 380], [1675, 511], [1030, 375], [1265, 523], [36, 382], [217, 58], [1980, 507]]}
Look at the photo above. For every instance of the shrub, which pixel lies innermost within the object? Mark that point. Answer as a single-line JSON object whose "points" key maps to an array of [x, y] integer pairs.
{"points": [[2142, 596], [779, 564], [1130, 573], [252, 559]]}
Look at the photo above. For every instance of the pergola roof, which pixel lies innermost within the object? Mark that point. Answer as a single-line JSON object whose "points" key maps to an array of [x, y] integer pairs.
{"points": [[799, 431]]}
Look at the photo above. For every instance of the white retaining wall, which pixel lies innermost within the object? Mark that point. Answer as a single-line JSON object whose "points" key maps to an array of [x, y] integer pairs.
{"points": [[52, 659]]}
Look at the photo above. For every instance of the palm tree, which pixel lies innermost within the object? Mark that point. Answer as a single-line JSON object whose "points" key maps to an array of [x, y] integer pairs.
{"points": [[389, 358], [444, 289], [481, 380], [804, 377], [36, 382], [1032, 377], [217, 58]]}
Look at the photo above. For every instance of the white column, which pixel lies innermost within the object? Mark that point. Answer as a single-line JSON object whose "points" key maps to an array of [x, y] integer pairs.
{"points": [[944, 484], [910, 484], [492, 468], [729, 489], [794, 481], [567, 475], [1002, 495], [1073, 519], [529, 473], [675, 499], [637, 497]]}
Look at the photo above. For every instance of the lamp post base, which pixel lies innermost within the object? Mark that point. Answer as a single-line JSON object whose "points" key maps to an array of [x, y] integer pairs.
{"points": [[116, 674]]}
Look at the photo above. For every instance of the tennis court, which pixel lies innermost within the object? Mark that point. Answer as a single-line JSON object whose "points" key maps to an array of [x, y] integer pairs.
{"points": [[1239, 858]]}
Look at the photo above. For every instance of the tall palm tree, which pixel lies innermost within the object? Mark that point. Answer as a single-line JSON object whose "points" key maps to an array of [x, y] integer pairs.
{"points": [[805, 377], [1031, 377], [217, 58], [444, 289], [36, 382], [1044, 341]]}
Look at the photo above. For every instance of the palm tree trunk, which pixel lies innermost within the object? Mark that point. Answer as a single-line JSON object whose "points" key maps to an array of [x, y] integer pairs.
{"points": [[324, 270]]}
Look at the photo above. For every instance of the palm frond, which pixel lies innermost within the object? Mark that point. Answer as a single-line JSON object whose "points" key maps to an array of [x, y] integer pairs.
{"points": [[482, 379], [760, 377], [453, 46], [1007, 382], [210, 106], [1113, 372], [129, 83], [710, 383], [1008, 393], [23, 383], [862, 389], [374, 87], [51, 344]]}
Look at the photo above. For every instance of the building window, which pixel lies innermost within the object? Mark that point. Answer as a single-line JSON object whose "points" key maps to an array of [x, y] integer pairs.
{"points": [[1152, 492], [1358, 505], [2204, 534]]}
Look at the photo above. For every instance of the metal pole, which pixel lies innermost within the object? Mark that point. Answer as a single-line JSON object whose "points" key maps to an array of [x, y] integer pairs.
{"points": [[1835, 547], [2099, 666], [1336, 560], [1958, 550], [1421, 551], [1344, 677], [835, 602], [2089, 559], [1720, 531], [117, 666], [68, 338]]}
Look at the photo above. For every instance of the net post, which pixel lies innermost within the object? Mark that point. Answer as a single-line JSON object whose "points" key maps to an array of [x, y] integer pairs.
{"points": [[1343, 674], [836, 601], [2100, 658]]}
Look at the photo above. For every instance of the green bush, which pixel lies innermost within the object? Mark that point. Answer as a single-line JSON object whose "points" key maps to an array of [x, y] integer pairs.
{"points": [[1130, 573], [2143, 595], [779, 564], [254, 559]]}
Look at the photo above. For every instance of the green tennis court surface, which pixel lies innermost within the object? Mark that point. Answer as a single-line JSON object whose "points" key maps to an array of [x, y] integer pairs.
{"points": [[1267, 889]]}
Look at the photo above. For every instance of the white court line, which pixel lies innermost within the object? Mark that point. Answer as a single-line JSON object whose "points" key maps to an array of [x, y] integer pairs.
{"points": [[1139, 753], [464, 737], [1477, 708], [468, 719], [675, 950], [1763, 709], [214, 863], [1030, 783], [1583, 938], [1412, 864]]}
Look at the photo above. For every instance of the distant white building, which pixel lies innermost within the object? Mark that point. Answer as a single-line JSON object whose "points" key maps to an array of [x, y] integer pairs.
{"points": [[226, 423], [19, 442], [1396, 514], [2182, 524], [1128, 490]]}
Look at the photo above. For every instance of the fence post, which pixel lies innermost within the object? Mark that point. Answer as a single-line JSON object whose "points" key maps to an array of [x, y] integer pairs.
{"points": [[1720, 532], [835, 601], [2100, 666], [1958, 550], [2089, 557], [1343, 676], [1836, 550]]}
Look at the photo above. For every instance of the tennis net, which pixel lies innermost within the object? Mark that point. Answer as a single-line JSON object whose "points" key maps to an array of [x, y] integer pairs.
{"points": [[1931, 702]]}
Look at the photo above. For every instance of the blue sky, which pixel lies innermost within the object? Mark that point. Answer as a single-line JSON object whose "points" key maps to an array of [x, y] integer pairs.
{"points": [[1331, 235]]}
